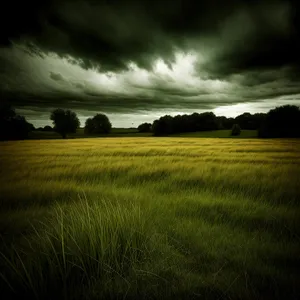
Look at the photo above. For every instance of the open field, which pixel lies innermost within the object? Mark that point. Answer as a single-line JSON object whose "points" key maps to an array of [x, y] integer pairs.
{"points": [[219, 134], [132, 132], [150, 218], [115, 132]]}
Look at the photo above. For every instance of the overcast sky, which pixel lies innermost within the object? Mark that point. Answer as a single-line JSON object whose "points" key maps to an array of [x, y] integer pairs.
{"points": [[136, 60]]}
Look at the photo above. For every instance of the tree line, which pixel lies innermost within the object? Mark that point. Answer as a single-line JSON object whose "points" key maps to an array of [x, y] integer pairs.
{"points": [[282, 121], [206, 121]]}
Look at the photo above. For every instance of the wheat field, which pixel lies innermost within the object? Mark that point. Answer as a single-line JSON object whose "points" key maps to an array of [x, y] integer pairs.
{"points": [[150, 218]]}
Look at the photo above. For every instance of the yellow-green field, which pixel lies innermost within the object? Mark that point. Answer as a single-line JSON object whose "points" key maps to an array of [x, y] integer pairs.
{"points": [[150, 218]]}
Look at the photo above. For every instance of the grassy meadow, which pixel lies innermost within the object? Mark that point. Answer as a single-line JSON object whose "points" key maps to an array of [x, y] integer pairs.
{"points": [[115, 132], [224, 133], [150, 218], [133, 132]]}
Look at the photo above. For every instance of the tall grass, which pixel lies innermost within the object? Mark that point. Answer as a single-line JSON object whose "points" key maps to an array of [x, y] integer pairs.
{"points": [[150, 218], [78, 245]]}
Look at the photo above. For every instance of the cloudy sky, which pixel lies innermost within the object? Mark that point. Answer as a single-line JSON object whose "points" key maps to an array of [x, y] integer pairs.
{"points": [[136, 60]]}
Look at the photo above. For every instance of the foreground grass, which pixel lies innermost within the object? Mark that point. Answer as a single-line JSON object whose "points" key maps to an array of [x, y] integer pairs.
{"points": [[150, 218]]}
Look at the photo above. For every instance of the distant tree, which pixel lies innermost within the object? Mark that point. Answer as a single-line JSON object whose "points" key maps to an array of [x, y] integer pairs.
{"points": [[244, 120], [89, 126], [98, 124], [236, 130], [163, 126], [185, 123], [145, 127], [178, 123], [259, 119], [12, 126], [250, 122], [101, 123], [221, 122], [225, 123], [64, 121], [283, 121], [30, 127], [206, 121], [229, 123]]}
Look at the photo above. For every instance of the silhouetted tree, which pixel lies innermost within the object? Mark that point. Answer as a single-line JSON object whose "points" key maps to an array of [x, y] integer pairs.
{"points": [[30, 127], [185, 123], [163, 126], [64, 121], [225, 123], [12, 126], [178, 123], [250, 122], [221, 122], [206, 121], [229, 123], [236, 130], [244, 120], [98, 124], [88, 128], [283, 121], [259, 119], [144, 127]]}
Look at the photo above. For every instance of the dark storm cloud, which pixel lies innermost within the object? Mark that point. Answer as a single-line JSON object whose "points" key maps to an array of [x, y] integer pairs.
{"points": [[78, 85], [56, 76], [160, 89], [94, 102], [77, 54], [110, 34], [158, 96]]}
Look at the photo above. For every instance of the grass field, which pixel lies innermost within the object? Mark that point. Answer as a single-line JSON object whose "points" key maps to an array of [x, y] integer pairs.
{"points": [[219, 134], [150, 218], [115, 132], [132, 132]]}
